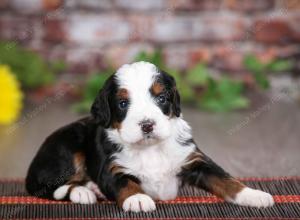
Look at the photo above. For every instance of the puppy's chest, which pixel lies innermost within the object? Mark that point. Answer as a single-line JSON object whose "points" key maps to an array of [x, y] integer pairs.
{"points": [[156, 169]]}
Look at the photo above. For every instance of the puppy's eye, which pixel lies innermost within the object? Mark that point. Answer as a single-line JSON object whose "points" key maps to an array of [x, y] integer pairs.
{"points": [[161, 99], [123, 104]]}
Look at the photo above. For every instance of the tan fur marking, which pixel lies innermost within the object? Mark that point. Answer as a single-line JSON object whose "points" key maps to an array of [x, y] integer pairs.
{"points": [[132, 188], [157, 88], [79, 161], [195, 156], [79, 166], [225, 188], [122, 94], [115, 168], [116, 125]]}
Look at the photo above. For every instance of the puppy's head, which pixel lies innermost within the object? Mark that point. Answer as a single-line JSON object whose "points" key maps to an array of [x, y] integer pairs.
{"points": [[137, 103]]}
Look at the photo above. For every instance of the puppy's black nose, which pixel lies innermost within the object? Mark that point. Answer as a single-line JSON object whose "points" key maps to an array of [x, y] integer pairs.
{"points": [[147, 126]]}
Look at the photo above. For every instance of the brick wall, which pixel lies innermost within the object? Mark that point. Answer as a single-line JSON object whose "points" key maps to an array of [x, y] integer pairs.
{"points": [[88, 34]]}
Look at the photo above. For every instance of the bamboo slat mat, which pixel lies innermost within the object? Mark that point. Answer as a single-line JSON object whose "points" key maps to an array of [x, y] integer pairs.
{"points": [[191, 203]]}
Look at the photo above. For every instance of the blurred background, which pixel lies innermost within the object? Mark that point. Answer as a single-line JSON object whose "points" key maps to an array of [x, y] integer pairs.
{"points": [[236, 62]]}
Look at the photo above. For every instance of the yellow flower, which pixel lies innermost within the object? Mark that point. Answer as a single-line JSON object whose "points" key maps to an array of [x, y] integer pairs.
{"points": [[10, 96]]}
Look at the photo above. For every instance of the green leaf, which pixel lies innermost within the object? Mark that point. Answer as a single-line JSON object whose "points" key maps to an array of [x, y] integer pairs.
{"points": [[141, 56], [223, 95], [279, 66], [83, 106], [253, 64], [31, 70], [187, 93], [93, 85], [156, 58], [198, 75], [238, 102], [262, 80], [58, 66]]}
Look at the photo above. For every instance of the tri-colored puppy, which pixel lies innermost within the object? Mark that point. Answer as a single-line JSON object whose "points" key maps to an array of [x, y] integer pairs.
{"points": [[134, 149]]}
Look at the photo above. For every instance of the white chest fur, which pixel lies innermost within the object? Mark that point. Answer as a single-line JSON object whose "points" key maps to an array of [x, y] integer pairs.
{"points": [[156, 166]]}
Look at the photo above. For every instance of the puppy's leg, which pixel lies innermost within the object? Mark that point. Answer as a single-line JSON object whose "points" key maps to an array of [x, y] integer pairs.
{"points": [[58, 171], [132, 198], [199, 170], [125, 190], [79, 188], [62, 181]]}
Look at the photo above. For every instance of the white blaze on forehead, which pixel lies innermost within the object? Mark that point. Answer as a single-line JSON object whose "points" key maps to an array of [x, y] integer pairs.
{"points": [[137, 77]]}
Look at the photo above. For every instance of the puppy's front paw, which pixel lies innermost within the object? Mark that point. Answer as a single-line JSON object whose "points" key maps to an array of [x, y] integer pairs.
{"points": [[82, 195], [139, 202], [254, 198], [95, 189]]}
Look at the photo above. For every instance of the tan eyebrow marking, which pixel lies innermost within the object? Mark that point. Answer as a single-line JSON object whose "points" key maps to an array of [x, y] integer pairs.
{"points": [[122, 94], [157, 88]]}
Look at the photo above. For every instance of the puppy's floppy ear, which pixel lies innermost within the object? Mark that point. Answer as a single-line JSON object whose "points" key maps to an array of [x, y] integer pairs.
{"points": [[100, 109], [175, 97], [176, 101]]}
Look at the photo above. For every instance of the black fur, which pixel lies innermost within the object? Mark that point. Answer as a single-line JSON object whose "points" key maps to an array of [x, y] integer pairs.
{"points": [[198, 173], [53, 164], [105, 108]]}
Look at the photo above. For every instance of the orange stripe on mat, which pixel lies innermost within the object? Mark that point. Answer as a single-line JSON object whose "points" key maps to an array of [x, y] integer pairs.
{"points": [[179, 200], [176, 218]]}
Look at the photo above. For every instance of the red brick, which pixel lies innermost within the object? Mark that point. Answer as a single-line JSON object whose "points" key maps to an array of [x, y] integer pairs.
{"points": [[54, 52], [1, 29], [4, 4], [85, 60], [190, 31], [141, 25], [268, 55], [201, 54], [17, 29], [273, 31], [193, 5], [49, 5], [35, 6], [54, 30], [228, 59], [294, 22], [291, 5], [119, 54], [177, 56], [250, 5]]}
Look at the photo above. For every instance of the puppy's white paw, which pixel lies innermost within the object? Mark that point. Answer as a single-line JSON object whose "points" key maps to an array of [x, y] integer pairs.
{"points": [[61, 192], [95, 189], [254, 198], [139, 202], [82, 195]]}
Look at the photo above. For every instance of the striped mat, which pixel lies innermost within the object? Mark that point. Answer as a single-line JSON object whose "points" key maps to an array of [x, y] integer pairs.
{"points": [[191, 204]]}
